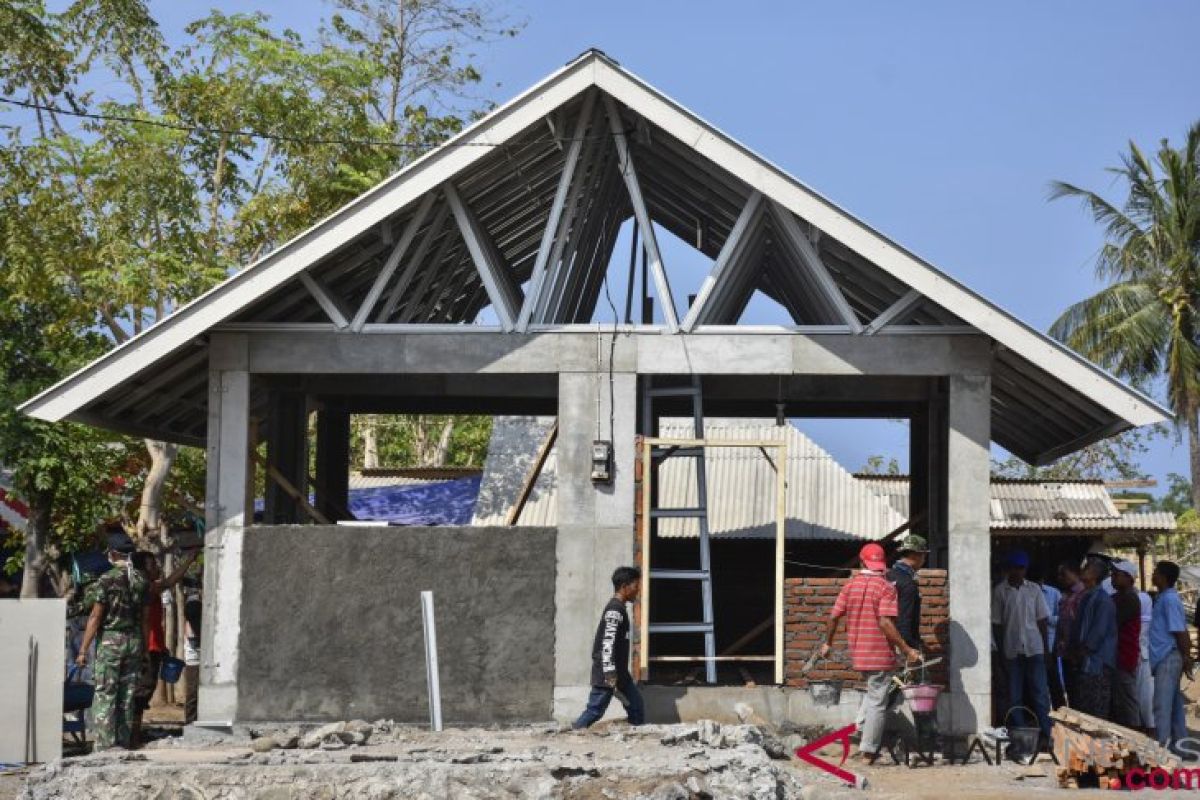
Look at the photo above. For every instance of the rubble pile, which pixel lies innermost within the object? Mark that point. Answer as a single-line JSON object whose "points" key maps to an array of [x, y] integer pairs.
{"points": [[358, 759]]}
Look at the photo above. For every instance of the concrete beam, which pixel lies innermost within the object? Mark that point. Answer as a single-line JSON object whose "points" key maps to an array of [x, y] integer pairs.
{"points": [[647, 353], [968, 500]]}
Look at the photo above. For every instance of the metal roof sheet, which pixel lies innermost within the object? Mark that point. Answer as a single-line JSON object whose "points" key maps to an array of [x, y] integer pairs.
{"points": [[1040, 505], [824, 500]]}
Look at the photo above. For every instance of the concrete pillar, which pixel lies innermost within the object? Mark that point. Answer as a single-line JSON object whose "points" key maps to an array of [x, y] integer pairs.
{"points": [[227, 511], [595, 522], [333, 461], [968, 431], [287, 451]]}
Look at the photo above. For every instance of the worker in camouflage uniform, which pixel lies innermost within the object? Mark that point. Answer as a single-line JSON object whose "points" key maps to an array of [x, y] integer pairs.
{"points": [[116, 599]]}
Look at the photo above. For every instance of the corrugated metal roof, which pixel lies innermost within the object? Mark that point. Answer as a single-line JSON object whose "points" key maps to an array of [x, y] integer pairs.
{"points": [[511, 452], [361, 481], [1040, 505], [824, 500]]}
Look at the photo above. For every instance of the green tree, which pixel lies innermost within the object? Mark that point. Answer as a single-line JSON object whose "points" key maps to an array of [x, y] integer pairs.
{"points": [[1116, 458], [216, 151], [1144, 324], [63, 472]]}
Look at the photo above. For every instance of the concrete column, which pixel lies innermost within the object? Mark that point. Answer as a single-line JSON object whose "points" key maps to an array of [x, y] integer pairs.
{"points": [[227, 510], [333, 461], [287, 451], [968, 498], [595, 522]]}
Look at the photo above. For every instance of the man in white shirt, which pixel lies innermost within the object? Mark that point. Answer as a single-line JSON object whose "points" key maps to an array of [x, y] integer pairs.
{"points": [[1020, 622]]}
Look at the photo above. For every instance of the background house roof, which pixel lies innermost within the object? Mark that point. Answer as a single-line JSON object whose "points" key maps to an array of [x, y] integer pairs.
{"points": [[825, 501]]}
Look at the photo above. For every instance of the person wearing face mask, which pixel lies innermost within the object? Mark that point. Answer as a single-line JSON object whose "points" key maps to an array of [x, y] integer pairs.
{"points": [[116, 599]]}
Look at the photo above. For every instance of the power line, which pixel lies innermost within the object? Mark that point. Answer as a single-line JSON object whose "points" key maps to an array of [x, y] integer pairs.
{"points": [[278, 137]]}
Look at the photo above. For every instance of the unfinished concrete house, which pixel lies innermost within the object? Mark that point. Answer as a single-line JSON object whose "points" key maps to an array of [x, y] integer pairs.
{"points": [[478, 280]]}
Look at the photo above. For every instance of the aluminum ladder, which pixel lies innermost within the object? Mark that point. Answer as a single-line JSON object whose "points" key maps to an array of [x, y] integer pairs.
{"points": [[699, 513]]}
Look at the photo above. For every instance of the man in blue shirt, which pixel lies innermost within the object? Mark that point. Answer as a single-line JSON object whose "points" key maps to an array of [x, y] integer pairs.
{"points": [[1170, 655], [1096, 649]]}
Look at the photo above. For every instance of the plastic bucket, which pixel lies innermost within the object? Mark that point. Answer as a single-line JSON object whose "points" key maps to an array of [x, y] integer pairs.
{"points": [[76, 694], [1024, 741], [825, 693], [172, 669], [922, 697]]}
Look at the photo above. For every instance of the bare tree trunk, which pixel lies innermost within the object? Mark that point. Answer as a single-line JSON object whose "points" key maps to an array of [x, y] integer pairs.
{"points": [[443, 445], [37, 539], [150, 524], [1193, 428], [371, 442]]}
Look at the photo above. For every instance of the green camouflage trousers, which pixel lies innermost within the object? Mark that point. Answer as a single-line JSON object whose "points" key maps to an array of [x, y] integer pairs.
{"points": [[118, 667]]}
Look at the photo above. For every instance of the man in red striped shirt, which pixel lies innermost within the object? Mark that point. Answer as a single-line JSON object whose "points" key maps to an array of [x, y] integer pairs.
{"points": [[868, 602]]}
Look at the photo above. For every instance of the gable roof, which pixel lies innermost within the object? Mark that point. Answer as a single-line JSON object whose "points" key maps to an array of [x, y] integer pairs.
{"points": [[493, 178]]}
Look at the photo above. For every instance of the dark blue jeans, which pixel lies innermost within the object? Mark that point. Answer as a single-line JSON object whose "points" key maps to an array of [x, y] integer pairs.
{"points": [[1029, 672], [601, 696]]}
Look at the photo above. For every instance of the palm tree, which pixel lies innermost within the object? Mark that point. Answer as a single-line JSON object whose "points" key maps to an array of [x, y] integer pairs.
{"points": [[1145, 325]]}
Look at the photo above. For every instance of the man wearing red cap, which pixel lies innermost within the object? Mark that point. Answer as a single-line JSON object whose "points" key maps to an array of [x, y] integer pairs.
{"points": [[868, 601]]}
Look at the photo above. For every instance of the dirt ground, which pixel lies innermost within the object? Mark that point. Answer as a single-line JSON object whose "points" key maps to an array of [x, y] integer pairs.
{"points": [[610, 761]]}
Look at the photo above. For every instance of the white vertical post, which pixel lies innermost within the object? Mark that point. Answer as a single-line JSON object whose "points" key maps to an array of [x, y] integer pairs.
{"points": [[431, 664]]}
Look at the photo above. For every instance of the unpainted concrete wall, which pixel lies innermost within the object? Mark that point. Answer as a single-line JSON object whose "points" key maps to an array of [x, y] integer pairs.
{"points": [[331, 623]]}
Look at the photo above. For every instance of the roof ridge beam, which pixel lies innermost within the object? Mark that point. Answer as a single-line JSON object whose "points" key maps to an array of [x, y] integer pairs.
{"points": [[790, 228], [330, 304], [645, 224], [894, 312], [393, 261], [554, 221], [726, 262], [505, 296]]}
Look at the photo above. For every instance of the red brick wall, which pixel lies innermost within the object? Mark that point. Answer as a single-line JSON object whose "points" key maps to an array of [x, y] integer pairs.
{"points": [[807, 602]]}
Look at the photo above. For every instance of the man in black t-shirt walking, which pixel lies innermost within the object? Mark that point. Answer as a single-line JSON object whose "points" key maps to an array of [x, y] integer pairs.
{"points": [[610, 655]]}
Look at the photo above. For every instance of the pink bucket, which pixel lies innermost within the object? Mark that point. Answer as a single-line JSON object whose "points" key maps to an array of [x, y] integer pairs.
{"points": [[922, 697]]}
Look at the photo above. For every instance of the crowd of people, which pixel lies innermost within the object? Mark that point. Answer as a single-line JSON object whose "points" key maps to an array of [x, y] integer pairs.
{"points": [[1088, 640], [1094, 643], [125, 622]]}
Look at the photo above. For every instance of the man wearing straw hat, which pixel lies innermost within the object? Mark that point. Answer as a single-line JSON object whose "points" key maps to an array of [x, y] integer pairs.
{"points": [[868, 602]]}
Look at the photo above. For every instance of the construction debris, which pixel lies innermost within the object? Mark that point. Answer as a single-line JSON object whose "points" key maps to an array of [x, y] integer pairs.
{"points": [[686, 761], [1089, 749]]}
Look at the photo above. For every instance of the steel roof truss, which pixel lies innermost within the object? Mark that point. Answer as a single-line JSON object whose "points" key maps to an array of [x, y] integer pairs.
{"points": [[497, 279], [645, 225], [329, 303], [725, 264], [553, 228], [393, 261]]}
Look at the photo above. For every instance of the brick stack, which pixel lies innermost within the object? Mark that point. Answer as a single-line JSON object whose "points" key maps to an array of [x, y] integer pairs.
{"points": [[807, 602]]}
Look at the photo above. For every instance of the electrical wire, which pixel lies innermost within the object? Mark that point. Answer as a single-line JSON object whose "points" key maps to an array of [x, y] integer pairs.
{"points": [[278, 137], [818, 566]]}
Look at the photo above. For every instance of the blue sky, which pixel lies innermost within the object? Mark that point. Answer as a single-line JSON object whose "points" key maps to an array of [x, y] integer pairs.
{"points": [[939, 123]]}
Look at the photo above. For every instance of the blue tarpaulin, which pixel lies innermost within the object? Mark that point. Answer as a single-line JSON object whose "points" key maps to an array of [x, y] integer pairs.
{"points": [[436, 503], [441, 503]]}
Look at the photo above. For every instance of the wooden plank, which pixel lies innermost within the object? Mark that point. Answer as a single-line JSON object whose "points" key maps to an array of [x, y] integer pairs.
{"points": [[780, 540], [644, 634], [514, 513], [705, 659], [289, 489]]}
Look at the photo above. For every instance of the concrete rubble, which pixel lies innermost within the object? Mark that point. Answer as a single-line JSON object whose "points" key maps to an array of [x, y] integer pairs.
{"points": [[383, 760]]}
